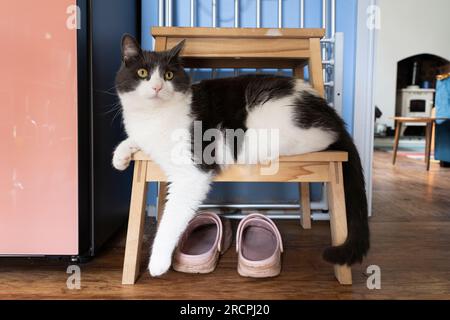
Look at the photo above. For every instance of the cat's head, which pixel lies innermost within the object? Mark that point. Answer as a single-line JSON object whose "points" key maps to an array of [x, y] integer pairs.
{"points": [[156, 76]]}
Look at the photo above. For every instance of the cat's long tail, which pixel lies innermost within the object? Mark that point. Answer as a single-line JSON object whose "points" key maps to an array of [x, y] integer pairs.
{"points": [[357, 244]]}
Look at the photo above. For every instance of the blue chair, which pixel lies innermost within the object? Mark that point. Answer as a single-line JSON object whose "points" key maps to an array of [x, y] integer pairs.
{"points": [[442, 138]]}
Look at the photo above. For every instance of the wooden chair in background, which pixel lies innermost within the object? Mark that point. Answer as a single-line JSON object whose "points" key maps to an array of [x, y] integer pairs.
{"points": [[247, 48], [430, 123]]}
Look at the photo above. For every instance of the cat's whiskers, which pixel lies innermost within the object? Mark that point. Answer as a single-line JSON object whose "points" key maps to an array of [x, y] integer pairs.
{"points": [[113, 90], [115, 115], [116, 106]]}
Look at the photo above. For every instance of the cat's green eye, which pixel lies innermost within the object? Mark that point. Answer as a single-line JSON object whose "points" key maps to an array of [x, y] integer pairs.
{"points": [[168, 75], [142, 73]]}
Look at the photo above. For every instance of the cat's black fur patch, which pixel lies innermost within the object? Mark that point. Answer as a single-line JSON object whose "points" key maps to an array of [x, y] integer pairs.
{"points": [[219, 104], [313, 111], [265, 87], [224, 103]]}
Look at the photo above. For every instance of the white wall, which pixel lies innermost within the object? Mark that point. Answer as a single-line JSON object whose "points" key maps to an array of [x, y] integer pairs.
{"points": [[408, 27]]}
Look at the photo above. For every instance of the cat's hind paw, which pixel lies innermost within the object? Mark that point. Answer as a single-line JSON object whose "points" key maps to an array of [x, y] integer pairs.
{"points": [[159, 265]]}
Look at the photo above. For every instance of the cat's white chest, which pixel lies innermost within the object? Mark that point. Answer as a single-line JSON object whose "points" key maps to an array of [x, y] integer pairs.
{"points": [[159, 131]]}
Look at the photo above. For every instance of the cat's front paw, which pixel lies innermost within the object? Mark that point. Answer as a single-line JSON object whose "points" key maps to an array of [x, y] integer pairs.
{"points": [[121, 161], [159, 264], [122, 154]]}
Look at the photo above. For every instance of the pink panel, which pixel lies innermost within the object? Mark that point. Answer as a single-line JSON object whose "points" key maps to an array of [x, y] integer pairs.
{"points": [[38, 129]]}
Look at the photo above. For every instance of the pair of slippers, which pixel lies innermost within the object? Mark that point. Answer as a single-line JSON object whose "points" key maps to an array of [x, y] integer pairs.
{"points": [[258, 245]]}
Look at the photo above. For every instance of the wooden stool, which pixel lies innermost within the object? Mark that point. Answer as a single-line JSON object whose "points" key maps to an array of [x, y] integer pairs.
{"points": [[429, 122], [247, 48]]}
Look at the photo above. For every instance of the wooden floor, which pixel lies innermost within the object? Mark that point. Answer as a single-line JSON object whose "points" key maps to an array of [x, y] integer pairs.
{"points": [[410, 243]]}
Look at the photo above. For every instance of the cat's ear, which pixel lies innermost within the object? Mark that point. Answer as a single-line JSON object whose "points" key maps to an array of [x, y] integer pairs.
{"points": [[174, 53], [130, 48]]}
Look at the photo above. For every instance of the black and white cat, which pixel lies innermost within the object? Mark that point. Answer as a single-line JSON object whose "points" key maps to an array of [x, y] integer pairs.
{"points": [[162, 110]]}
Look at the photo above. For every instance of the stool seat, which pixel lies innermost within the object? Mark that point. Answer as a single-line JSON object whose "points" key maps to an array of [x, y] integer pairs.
{"points": [[341, 156], [309, 167]]}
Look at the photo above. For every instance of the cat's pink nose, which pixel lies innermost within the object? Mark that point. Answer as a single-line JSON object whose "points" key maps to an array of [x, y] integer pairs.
{"points": [[157, 87]]}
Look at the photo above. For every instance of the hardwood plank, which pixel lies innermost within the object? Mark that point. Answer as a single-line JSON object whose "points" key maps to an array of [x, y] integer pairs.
{"points": [[315, 66], [305, 205], [286, 172], [160, 43], [155, 173], [298, 72], [131, 265], [339, 156], [338, 219], [205, 32], [162, 195], [232, 62], [269, 48]]}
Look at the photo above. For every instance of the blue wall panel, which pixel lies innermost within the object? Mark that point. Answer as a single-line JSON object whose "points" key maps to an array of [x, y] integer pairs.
{"points": [[345, 22], [346, 12]]}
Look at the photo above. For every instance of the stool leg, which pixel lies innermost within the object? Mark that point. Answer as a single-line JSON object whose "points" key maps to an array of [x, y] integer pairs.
{"points": [[160, 43], [338, 218], [305, 205], [299, 73], [162, 194], [398, 127], [315, 66], [136, 220]]}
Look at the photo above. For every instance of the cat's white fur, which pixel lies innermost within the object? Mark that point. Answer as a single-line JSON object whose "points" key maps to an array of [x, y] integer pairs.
{"points": [[151, 119]]}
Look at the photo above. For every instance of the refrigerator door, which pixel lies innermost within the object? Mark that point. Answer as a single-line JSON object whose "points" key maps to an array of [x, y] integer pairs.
{"points": [[38, 128]]}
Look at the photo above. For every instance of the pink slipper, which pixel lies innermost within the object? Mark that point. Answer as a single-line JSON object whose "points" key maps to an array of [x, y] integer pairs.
{"points": [[259, 247], [205, 239]]}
